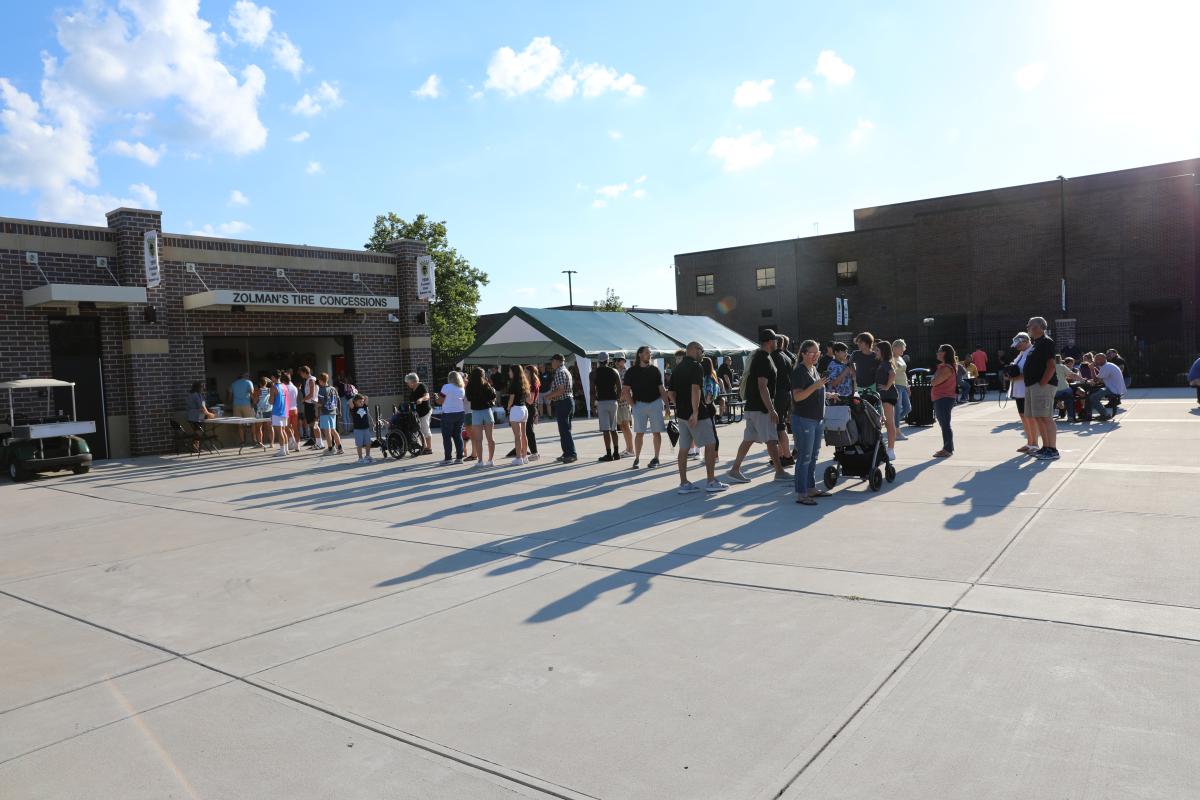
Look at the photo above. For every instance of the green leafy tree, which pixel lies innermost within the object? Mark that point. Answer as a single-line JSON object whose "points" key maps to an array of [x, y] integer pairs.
{"points": [[453, 311], [611, 302]]}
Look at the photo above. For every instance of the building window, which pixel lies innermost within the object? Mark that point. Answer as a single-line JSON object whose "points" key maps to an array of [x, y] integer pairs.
{"points": [[768, 312], [847, 273], [765, 277], [704, 284]]}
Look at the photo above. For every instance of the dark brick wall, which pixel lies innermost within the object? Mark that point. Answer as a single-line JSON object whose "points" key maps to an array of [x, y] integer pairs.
{"points": [[988, 260], [149, 388]]}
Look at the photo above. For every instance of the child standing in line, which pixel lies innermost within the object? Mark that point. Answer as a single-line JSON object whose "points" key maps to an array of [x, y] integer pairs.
{"points": [[327, 402], [279, 417], [841, 374], [361, 419]]}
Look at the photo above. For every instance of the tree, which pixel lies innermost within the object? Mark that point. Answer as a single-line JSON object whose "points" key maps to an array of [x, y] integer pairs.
{"points": [[610, 302], [453, 311]]}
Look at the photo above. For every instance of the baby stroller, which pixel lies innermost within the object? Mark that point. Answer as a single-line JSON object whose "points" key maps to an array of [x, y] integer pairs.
{"points": [[855, 430], [403, 433]]}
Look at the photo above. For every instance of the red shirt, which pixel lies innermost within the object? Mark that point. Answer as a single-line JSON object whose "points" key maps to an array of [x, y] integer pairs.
{"points": [[947, 388], [979, 358]]}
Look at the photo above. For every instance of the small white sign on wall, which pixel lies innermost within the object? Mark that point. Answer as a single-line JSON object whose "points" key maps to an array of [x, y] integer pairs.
{"points": [[425, 282], [150, 253]]}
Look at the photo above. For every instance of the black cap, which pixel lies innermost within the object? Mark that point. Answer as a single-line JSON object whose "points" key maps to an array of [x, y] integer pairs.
{"points": [[766, 335]]}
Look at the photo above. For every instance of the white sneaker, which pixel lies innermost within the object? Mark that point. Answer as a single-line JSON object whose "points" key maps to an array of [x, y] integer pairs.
{"points": [[294, 447], [891, 454], [900, 437], [628, 454], [362, 459], [736, 477], [479, 465], [715, 486], [516, 462], [279, 453], [447, 462], [687, 488], [489, 465], [533, 457], [370, 459]]}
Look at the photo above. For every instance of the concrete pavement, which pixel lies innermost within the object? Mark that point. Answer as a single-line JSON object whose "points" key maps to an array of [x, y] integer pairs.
{"points": [[987, 626]]}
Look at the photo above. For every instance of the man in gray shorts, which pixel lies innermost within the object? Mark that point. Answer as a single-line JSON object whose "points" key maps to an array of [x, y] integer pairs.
{"points": [[608, 387], [761, 416], [1041, 384], [695, 418]]}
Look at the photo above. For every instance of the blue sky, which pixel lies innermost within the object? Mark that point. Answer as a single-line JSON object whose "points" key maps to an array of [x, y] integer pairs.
{"points": [[607, 138]]}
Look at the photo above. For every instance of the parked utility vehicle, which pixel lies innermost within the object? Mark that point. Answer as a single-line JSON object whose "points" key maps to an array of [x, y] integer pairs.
{"points": [[33, 442]]}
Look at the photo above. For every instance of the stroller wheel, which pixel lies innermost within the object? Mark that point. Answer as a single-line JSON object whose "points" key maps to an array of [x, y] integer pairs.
{"points": [[876, 479], [831, 477], [889, 472]]}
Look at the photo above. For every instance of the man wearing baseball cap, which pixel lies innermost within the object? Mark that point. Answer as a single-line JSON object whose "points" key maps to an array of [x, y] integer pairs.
{"points": [[624, 409], [1041, 384], [761, 417], [563, 399], [1016, 390], [608, 386]]}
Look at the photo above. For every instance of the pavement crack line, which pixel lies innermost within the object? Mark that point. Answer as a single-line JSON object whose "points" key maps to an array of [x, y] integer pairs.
{"points": [[509, 774]]}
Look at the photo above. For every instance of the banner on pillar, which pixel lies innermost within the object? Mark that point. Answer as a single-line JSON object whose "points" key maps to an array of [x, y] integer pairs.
{"points": [[425, 282], [150, 254], [838, 300]]}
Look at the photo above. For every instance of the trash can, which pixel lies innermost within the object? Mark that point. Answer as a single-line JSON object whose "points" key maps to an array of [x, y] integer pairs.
{"points": [[920, 389]]}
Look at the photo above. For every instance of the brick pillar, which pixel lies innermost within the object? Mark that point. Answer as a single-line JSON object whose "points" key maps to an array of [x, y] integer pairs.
{"points": [[415, 347], [146, 346]]}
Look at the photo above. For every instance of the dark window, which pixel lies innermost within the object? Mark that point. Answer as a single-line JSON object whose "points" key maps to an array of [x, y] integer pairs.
{"points": [[768, 312], [765, 277], [704, 284], [847, 273]]}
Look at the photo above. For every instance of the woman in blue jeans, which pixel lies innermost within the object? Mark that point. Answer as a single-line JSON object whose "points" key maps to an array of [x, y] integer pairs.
{"points": [[945, 395], [808, 421]]}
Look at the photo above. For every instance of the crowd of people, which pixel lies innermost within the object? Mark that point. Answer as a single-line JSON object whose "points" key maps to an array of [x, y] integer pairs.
{"points": [[784, 393]]}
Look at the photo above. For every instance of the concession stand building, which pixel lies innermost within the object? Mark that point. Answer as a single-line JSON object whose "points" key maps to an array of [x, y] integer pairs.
{"points": [[135, 316]]}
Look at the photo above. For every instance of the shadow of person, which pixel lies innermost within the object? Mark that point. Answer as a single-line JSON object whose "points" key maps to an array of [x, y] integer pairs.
{"points": [[990, 491]]}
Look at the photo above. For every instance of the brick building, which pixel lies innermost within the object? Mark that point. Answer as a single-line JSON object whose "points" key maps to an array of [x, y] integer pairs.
{"points": [[74, 304], [1123, 244]]}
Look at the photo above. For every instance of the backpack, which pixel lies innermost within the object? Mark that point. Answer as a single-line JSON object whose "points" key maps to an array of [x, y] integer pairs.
{"points": [[331, 401]]}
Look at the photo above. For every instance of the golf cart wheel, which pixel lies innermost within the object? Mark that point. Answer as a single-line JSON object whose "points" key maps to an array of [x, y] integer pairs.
{"points": [[889, 472], [831, 477], [16, 473], [81, 469], [876, 480], [395, 445]]}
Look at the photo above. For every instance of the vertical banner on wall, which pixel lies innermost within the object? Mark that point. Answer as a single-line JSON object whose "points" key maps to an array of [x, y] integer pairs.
{"points": [[838, 300], [150, 253], [425, 283], [846, 311]]}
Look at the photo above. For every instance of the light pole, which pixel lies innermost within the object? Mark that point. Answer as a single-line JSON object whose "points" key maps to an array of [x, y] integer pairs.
{"points": [[570, 290], [1062, 238]]}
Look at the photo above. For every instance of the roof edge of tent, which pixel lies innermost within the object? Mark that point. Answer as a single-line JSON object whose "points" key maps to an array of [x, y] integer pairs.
{"points": [[721, 351], [550, 333]]}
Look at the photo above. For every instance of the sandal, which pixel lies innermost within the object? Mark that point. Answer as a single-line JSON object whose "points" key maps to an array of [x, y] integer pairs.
{"points": [[806, 501]]}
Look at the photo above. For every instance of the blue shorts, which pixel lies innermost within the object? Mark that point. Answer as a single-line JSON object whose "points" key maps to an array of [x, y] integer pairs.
{"points": [[327, 422], [482, 416], [362, 437]]}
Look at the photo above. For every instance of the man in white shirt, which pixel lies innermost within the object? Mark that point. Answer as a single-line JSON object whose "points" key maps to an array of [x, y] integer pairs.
{"points": [[1111, 384]]}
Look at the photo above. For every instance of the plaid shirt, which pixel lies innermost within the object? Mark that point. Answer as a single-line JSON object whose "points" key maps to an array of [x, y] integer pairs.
{"points": [[562, 379]]}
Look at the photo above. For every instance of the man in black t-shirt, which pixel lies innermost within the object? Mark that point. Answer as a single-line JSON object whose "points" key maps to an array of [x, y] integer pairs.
{"points": [[418, 395], [607, 384], [695, 419], [826, 358], [784, 364], [759, 383], [864, 361], [644, 387], [1041, 384]]}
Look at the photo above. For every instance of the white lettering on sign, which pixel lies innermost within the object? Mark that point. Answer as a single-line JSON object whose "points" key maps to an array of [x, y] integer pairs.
{"points": [[150, 255], [425, 280]]}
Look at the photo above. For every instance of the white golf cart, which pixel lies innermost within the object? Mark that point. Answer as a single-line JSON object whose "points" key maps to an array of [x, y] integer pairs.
{"points": [[32, 443]]}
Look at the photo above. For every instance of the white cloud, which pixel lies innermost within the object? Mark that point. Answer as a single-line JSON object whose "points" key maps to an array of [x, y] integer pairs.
{"points": [[598, 203], [749, 94], [251, 23], [113, 62], [286, 55], [139, 151], [835, 71], [231, 228], [1030, 76], [798, 140], [743, 152], [431, 88], [861, 131], [613, 191], [302, 136], [313, 168], [804, 86], [639, 193], [598, 79], [326, 96], [641, 179], [616, 136], [236, 198], [562, 88], [518, 73], [541, 65]]}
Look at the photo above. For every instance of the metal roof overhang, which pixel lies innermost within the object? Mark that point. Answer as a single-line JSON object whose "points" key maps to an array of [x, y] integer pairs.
{"points": [[72, 294]]}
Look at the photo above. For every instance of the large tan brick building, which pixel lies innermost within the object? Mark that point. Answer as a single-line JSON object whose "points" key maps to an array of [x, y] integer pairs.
{"points": [[75, 304], [1123, 244]]}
